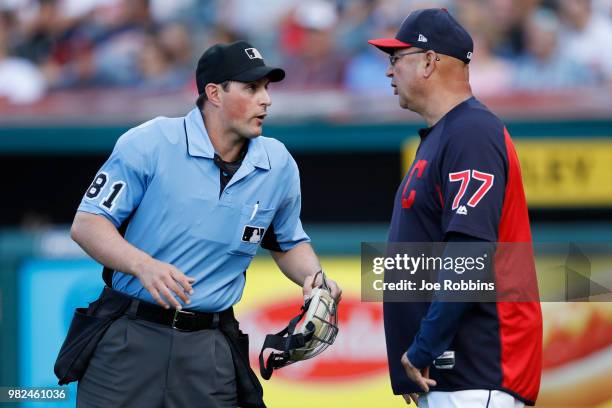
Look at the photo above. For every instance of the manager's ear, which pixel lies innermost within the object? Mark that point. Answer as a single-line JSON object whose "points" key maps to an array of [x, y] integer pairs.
{"points": [[431, 59], [213, 93]]}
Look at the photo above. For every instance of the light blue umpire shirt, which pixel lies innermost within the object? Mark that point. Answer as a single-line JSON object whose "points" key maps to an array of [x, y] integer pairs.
{"points": [[163, 172]]}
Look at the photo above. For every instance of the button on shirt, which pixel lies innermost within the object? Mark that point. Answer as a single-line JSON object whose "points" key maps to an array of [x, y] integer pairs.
{"points": [[162, 174]]}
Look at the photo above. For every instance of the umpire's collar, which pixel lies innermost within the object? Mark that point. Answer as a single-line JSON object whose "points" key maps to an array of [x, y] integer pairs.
{"points": [[199, 144]]}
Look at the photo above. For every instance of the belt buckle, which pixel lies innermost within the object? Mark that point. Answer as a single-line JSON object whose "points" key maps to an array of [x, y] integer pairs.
{"points": [[177, 313]]}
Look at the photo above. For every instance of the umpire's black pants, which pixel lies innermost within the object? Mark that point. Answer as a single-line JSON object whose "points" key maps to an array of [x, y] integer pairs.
{"points": [[142, 364]]}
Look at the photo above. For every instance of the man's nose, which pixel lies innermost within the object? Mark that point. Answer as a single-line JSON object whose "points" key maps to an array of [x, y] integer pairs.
{"points": [[265, 99]]}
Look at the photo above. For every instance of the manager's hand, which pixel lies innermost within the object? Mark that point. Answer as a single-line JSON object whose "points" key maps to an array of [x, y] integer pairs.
{"points": [[414, 397], [162, 279], [420, 377]]}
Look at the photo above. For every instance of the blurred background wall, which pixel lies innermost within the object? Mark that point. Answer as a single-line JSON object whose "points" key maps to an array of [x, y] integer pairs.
{"points": [[76, 74]]}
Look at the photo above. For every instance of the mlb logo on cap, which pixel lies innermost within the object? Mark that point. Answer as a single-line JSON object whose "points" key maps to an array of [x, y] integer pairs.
{"points": [[253, 53]]}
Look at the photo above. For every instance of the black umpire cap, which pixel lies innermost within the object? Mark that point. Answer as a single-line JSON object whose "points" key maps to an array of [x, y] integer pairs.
{"points": [[431, 29], [238, 61]]}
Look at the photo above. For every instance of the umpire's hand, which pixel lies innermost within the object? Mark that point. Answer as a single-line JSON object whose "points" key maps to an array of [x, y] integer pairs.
{"points": [[162, 279], [316, 280]]}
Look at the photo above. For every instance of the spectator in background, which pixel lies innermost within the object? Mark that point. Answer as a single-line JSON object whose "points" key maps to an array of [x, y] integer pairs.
{"points": [[364, 19], [79, 9], [105, 50], [489, 73], [9, 29], [221, 34], [603, 8], [116, 53], [543, 66], [175, 38], [253, 18], [318, 64], [508, 19], [161, 68], [258, 21], [365, 71], [355, 25], [165, 11], [586, 36], [102, 43], [57, 35], [40, 30], [20, 80]]}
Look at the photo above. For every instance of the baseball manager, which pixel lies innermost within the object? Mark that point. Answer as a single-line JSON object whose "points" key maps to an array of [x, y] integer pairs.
{"points": [[463, 188]]}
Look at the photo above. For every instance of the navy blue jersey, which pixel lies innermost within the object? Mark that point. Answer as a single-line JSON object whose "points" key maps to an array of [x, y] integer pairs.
{"points": [[466, 179]]}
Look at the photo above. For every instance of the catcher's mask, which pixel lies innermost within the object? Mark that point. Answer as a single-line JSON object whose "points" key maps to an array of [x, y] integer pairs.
{"points": [[316, 332]]}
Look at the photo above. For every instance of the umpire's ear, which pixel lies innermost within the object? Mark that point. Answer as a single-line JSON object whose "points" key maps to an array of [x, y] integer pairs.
{"points": [[213, 93]]}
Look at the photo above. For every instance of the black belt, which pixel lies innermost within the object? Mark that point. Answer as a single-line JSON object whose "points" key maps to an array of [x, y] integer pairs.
{"points": [[183, 320]]}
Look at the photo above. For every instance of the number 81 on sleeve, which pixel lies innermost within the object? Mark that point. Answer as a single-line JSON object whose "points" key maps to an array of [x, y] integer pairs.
{"points": [[97, 186]]}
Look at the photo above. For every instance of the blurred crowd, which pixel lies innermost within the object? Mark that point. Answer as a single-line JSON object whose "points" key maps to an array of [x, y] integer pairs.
{"points": [[153, 45]]}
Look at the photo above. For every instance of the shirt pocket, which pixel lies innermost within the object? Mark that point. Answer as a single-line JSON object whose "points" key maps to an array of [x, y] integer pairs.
{"points": [[253, 224]]}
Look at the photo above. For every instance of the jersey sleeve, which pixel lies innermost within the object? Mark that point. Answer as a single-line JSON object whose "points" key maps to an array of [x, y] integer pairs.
{"points": [[473, 180], [286, 230], [119, 185], [440, 324]]}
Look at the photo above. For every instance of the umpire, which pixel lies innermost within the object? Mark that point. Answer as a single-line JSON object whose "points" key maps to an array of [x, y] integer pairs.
{"points": [[196, 196]]}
